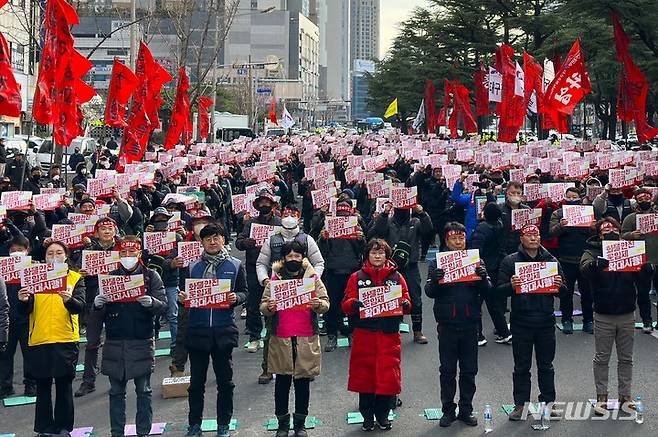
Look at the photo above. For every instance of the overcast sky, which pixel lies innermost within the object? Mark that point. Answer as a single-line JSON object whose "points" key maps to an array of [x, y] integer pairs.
{"points": [[392, 13]]}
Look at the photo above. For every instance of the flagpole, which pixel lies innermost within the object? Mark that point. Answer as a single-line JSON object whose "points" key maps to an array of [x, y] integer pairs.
{"points": [[133, 34]]}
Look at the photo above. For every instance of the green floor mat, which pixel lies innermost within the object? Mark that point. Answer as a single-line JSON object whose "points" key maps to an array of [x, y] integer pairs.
{"points": [[80, 368], [210, 425], [432, 413], [343, 342], [19, 400], [404, 327], [164, 335], [162, 352], [355, 417], [576, 326], [311, 423]]}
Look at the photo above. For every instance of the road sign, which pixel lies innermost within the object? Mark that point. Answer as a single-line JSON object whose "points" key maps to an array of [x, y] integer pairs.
{"points": [[263, 91]]}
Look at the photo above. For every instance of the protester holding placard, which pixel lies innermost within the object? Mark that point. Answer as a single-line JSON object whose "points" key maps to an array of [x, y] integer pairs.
{"points": [[643, 205], [403, 230], [342, 258], [457, 311], [486, 238], [532, 322], [31, 224], [513, 200], [294, 350], [464, 197], [104, 240], [213, 332], [434, 195], [129, 349], [572, 244], [614, 314], [264, 204], [375, 357], [53, 345], [612, 203], [19, 246]]}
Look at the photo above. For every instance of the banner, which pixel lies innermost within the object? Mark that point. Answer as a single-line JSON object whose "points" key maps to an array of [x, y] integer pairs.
{"points": [[45, 278], [646, 223], [159, 243], [47, 202], [71, 235], [624, 256], [403, 197], [571, 83], [123, 84], [293, 293], [578, 215], [458, 265], [495, 85], [320, 198], [522, 217], [344, 227], [189, 251], [207, 293], [121, 288], [384, 301], [243, 203], [536, 277], [97, 262], [16, 200], [262, 233], [12, 266]]}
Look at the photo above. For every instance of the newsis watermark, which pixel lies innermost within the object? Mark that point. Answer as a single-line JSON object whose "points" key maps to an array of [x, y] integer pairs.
{"points": [[578, 411]]}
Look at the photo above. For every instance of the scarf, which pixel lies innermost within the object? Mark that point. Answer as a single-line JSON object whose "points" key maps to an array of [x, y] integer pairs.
{"points": [[212, 262]]}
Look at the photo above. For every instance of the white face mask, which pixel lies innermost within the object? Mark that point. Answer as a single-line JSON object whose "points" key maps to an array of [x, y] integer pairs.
{"points": [[290, 222], [17, 253], [83, 171], [58, 259], [128, 262]]}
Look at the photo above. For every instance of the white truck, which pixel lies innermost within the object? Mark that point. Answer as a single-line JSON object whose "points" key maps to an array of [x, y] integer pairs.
{"points": [[229, 126]]}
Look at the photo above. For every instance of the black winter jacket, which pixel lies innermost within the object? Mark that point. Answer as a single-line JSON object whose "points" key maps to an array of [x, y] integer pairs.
{"points": [[410, 231]]}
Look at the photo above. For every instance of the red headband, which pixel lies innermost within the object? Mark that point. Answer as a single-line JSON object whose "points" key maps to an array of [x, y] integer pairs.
{"points": [[105, 222], [455, 233], [606, 226], [643, 196], [530, 230], [125, 245], [343, 208]]}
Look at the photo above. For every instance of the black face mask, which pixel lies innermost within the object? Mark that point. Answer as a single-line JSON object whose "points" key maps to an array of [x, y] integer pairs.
{"points": [[293, 266], [611, 236], [400, 214], [78, 196], [160, 226], [573, 202], [616, 199], [264, 210], [644, 206]]}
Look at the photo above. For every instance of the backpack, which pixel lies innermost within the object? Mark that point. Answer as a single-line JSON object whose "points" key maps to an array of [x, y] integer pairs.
{"points": [[402, 251]]}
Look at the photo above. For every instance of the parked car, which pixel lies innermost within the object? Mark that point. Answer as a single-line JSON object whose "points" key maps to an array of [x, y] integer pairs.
{"points": [[46, 154]]}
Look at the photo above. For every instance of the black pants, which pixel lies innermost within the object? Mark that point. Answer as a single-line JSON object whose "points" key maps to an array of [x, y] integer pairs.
{"points": [[571, 275], [336, 284], [223, 366], [254, 322], [543, 341], [18, 333], [94, 331], [372, 405], [496, 309], [45, 419], [458, 345], [282, 393], [412, 276], [643, 301], [180, 351]]}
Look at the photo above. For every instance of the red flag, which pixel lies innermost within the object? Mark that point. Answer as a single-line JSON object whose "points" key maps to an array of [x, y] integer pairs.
{"points": [[156, 76], [511, 109], [463, 107], [443, 113], [204, 119], [67, 124], [571, 83], [533, 80], [122, 85], [481, 92], [180, 113], [633, 88], [272, 113], [430, 106], [10, 90], [3, 2]]}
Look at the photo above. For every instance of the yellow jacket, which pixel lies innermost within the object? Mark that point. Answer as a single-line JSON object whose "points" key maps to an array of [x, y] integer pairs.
{"points": [[53, 321]]}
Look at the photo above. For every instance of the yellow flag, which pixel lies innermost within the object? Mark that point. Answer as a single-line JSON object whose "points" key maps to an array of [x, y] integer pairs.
{"points": [[392, 109]]}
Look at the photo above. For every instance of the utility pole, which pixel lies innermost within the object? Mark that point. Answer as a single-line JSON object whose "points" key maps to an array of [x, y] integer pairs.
{"points": [[133, 34], [214, 77], [251, 95]]}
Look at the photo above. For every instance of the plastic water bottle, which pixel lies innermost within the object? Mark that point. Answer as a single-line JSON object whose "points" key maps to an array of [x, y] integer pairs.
{"points": [[545, 416], [639, 410], [488, 419]]}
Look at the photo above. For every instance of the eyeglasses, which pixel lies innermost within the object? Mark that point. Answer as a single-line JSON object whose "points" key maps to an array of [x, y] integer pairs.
{"points": [[213, 239]]}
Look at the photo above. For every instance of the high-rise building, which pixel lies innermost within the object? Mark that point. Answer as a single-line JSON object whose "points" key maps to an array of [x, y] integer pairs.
{"points": [[334, 23], [364, 24]]}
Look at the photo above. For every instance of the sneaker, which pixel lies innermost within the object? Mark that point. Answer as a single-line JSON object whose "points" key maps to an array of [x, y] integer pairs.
{"points": [[567, 327], [253, 346], [482, 341], [264, 378], [504, 340], [517, 414], [419, 338], [368, 424], [601, 405], [243, 313], [30, 391], [5, 392], [446, 420], [647, 328], [176, 372], [384, 424], [588, 327], [84, 389], [222, 431], [332, 343], [469, 420], [193, 431]]}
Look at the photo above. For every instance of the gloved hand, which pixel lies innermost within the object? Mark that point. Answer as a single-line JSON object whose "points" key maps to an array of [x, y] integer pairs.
{"points": [[601, 262], [481, 272], [100, 301], [145, 301], [249, 242], [436, 275], [3, 347], [357, 304], [405, 304]]}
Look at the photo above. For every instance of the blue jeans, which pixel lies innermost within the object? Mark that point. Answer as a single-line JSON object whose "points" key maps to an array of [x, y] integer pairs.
{"points": [[172, 313], [144, 415]]}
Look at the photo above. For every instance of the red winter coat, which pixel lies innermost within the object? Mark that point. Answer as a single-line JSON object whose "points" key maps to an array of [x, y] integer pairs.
{"points": [[375, 355]]}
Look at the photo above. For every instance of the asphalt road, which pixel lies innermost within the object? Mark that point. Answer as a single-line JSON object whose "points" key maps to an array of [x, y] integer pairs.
{"points": [[330, 400]]}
